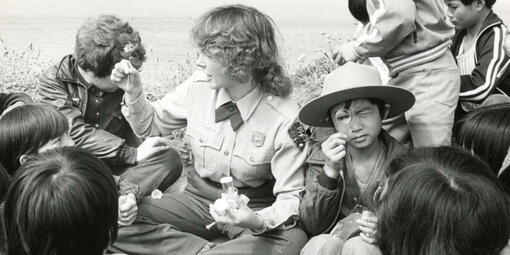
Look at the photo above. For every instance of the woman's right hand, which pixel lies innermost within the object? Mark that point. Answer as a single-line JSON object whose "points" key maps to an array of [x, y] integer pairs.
{"points": [[334, 152], [127, 78]]}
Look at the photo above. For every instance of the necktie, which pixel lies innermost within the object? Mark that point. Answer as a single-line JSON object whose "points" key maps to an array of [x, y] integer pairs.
{"points": [[229, 111]]}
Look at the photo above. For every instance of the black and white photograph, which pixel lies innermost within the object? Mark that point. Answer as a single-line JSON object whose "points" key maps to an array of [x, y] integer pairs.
{"points": [[220, 127]]}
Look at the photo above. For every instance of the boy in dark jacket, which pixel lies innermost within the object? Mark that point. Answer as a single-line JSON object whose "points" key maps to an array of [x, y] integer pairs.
{"points": [[80, 87], [346, 169], [478, 50]]}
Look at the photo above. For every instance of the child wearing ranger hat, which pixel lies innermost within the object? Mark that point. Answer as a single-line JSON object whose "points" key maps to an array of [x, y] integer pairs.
{"points": [[344, 171]]}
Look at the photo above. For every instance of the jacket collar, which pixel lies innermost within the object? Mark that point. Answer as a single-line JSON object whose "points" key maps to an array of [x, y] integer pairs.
{"points": [[67, 71], [393, 148], [246, 105]]}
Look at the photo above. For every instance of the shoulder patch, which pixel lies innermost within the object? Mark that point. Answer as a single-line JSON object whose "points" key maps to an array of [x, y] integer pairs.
{"points": [[299, 134]]}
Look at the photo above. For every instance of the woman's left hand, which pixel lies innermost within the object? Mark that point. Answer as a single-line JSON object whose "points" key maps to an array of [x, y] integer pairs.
{"points": [[368, 226], [242, 217]]}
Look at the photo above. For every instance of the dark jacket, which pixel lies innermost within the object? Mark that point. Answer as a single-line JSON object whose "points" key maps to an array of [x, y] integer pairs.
{"points": [[8, 99], [320, 207], [62, 87], [488, 77]]}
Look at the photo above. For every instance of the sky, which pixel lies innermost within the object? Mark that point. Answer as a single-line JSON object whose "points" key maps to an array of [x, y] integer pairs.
{"points": [[152, 8]]}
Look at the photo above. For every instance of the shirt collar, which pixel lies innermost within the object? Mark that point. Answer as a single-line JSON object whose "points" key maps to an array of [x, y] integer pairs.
{"points": [[246, 105]]}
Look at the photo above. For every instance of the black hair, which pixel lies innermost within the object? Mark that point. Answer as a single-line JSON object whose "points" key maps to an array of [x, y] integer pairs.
{"points": [[442, 201], [488, 3], [61, 202], [486, 132], [24, 129], [358, 9]]}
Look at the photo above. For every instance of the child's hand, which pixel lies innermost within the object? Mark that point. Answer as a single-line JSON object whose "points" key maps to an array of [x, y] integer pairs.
{"points": [[368, 226], [120, 74], [243, 217], [127, 209], [345, 53], [334, 151]]}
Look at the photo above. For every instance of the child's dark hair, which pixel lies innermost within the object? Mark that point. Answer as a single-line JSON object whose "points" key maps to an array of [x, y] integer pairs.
{"points": [[100, 44], [441, 201], [358, 9], [24, 129], [486, 132], [242, 39], [62, 201], [488, 3]]}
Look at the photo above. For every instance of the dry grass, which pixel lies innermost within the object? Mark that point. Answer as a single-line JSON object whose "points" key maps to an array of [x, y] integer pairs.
{"points": [[20, 72]]}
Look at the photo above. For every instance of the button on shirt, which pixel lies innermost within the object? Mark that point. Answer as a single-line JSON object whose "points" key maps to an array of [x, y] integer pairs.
{"points": [[260, 150]]}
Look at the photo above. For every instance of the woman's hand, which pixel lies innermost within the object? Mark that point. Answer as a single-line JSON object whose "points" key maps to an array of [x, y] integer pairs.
{"points": [[243, 217], [127, 209], [368, 227], [127, 78], [334, 152]]}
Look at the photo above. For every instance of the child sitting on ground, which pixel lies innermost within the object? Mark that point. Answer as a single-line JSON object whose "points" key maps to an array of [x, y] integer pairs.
{"points": [[477, 47], [345, 170], [439, 201], [61, 202], [412, 38], [28, 130]]}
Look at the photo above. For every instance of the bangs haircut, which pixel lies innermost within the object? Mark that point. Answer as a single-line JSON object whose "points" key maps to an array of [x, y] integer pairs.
{"points": [[100, 45], [488, 3], [442, 201], [61, 202], [358, 9], [486, 132], [242, 40], [24, 129]]}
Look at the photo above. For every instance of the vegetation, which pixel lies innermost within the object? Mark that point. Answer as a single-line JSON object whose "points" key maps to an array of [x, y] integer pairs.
{"points": [[20, 72]]}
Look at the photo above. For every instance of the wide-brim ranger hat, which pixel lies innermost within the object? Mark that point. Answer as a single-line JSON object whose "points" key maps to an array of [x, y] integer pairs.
{"points": [[353, 81]]}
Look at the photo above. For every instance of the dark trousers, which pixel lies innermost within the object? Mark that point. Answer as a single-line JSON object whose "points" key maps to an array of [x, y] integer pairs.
{"points": [[159, 171], [183, 217]]}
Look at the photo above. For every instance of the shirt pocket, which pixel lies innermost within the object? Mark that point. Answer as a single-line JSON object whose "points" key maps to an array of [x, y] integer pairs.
{"points": [[252, 164], [205, 145]]}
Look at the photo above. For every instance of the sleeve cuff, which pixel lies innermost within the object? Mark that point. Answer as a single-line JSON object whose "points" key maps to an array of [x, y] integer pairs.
{"points": [[128, 154], [326, 181]]}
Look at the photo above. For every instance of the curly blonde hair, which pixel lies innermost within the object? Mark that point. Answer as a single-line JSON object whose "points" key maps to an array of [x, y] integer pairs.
{"points": [[242, 39]]}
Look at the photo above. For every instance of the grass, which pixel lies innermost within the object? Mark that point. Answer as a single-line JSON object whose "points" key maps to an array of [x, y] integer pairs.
{"points": [[20, 72]]}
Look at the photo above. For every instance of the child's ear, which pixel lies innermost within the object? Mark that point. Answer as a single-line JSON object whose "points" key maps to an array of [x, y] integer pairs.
{"points": [[387, 108], [479, 4], [22, 159]]}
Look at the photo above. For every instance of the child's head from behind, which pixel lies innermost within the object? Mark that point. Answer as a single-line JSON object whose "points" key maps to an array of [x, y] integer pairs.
{"points": [[360, 120], [100, 44], [28, 130], [358, 9], [242, 40], [442, 201], [63, 201], [486, 132], [465, 14]]}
